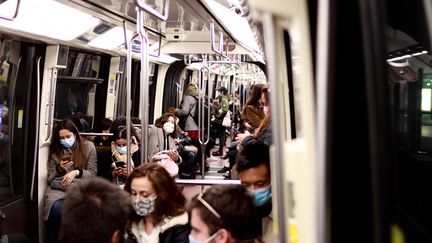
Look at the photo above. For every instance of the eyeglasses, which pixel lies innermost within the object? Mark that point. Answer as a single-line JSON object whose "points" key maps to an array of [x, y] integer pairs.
{"points": [[207, 205]]}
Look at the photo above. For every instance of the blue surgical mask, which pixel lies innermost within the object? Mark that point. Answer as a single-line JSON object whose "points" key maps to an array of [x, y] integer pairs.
{"points": [[262, 195], [121, 150], [68, 142], [193, 240]]}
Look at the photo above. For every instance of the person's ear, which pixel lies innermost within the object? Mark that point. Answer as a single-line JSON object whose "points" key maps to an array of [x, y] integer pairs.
{"points": [[224, 236], [115, 237]]}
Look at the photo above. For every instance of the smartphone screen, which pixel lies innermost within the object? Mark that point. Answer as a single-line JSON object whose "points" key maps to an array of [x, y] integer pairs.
{"points": [[120, 164]]}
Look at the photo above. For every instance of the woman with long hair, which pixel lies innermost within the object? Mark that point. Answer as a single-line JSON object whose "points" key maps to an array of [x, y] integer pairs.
{"points": [[159, 213], [71, 158], [253, 113]]}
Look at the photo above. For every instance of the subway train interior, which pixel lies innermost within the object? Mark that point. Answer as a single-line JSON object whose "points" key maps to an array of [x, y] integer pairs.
{"points": [[351, 99]]}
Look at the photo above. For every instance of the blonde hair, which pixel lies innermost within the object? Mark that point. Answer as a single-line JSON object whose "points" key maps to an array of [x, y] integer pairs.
{"points": [[192, 89]]}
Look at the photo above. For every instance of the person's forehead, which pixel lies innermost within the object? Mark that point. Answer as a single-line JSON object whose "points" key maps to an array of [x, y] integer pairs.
{"points": [[259, 172], [65, 132], [142, 184]]}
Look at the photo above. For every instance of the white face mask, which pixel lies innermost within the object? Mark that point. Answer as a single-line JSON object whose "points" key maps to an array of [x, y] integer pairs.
{"points": [[266, 110], [168, 127]]}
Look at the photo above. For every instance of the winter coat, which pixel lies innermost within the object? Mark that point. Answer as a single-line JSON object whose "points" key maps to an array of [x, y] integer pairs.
{"points": [[175, 229], [156, 141], [188, 108], [52, 195], [253, 115]]}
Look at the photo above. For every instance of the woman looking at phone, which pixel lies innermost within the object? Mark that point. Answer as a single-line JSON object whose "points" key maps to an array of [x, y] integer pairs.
{"points": [[71, 158], [161, 137], [119, 150]]}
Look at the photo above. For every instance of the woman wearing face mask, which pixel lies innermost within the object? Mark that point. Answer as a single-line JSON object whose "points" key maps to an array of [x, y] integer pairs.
{"points": [[223, 214], [112, 164], [71, 158], [159, 214], [161, 137], [119, 150]]}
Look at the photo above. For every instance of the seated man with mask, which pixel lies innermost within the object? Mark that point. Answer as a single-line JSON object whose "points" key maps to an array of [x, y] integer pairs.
{"points": [[253, 168]]}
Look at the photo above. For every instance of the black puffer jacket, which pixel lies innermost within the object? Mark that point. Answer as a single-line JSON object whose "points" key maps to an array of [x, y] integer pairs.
{"points": [[176, 229]]}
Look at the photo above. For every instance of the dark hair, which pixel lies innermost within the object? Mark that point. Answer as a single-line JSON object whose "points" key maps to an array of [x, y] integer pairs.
{"points": [[118, 128], [170, 201], [106, 124], [93, 210], [265, 123], [255, 96], [164, 118], [223, 89], [253, 154], [236, 210], [79, 152]]}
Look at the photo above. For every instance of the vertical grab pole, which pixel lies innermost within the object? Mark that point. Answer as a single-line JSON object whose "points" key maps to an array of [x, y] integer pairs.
{"points": [[201, 112], [144, 86], [128, 96], [278, 138], [234, 87]]}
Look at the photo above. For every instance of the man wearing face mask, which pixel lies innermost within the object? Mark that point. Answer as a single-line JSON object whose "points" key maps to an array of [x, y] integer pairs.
{"points": [[161, 137], [253, 168]]}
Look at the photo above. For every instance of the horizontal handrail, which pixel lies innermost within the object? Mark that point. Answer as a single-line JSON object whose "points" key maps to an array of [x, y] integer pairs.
{"points": [[207, 182], [95, 134]]}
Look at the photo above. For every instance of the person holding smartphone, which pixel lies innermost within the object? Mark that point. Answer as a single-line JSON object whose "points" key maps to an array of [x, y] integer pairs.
{"points": [[71, 158], [115, 163]]}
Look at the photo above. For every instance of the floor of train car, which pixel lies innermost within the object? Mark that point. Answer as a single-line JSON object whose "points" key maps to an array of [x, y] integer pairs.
{"points": [[214, 165]]}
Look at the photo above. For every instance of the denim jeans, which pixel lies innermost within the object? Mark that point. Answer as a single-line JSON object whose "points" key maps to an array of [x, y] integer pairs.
{"points": [[53, 222]]}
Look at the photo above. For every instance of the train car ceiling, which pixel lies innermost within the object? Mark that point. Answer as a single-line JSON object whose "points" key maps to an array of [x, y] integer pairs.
{"points": [[186, 31]]}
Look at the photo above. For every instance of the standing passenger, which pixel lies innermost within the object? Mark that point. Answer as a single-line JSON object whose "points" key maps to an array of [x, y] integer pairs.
{"points": [[223, 214], [71, 158], [159, 207], [187, 111], [94, 211], [220, 112]]}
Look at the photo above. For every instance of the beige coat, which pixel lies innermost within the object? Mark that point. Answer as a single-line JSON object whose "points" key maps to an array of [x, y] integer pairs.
{"points": [[156, 141], [52, 195]]}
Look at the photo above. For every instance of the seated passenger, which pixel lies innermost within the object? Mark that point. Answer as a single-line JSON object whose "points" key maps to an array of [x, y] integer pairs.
{"points": [[71, 158], [223, 214], [118, 143], [104, 128], [253, 168], [159, 207], [94, 210], [186, 150], [161, 139]]}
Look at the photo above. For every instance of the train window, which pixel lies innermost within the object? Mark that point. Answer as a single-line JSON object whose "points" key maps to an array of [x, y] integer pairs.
{"points": [[76, 88]]}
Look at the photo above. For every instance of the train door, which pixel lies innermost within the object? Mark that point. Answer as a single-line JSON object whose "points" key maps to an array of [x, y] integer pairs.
{"points": [[19, 69]]}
